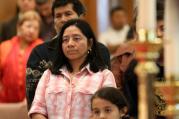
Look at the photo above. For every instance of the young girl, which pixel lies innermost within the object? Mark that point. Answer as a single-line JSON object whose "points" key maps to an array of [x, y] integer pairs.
{"points": [[109, 103]]}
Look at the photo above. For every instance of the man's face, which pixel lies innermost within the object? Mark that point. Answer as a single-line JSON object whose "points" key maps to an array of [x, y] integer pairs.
{"points": [[45, 9], [63, 14], [118, 19], [160, 28]]}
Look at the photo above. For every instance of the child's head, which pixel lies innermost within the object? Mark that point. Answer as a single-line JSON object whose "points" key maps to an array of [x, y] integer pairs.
{"points": [[108, 103]]}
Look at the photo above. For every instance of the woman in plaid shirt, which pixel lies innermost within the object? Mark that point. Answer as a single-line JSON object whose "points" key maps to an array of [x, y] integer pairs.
{"points": [[64, 90]]}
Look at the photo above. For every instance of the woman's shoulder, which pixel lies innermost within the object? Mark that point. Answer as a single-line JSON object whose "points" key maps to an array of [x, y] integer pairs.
{"points": [[38, 41], [46, 76], [106, 71], [47, 72]]}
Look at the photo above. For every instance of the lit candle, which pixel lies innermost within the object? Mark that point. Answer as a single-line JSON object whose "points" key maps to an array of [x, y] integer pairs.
{"points": [[172, 38], [146, 18]]}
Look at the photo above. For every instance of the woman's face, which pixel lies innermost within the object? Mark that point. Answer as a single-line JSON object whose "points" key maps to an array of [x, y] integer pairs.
{"points": [[103, 109], [75, 45], [29, 30]]}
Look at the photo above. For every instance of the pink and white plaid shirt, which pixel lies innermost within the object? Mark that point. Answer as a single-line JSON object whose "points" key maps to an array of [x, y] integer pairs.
{"points": [[62, 97]]}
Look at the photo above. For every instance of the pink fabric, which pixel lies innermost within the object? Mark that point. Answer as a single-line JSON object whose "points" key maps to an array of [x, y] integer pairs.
{"points": [[13, 70], [62, 97]]}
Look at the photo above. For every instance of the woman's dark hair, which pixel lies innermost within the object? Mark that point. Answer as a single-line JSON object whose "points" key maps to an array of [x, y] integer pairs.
{"points": [[78, 7], [93, 57]]}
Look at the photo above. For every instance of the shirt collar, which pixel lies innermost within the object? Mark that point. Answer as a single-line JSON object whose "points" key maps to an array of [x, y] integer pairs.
{"points": [[85, 68]]}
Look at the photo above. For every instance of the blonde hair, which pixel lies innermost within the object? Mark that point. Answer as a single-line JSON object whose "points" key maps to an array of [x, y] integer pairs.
{"points": [[29, 15]]}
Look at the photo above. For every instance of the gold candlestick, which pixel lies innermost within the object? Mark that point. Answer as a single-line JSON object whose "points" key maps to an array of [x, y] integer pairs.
{"points": [[147, 51], [170, 91]]}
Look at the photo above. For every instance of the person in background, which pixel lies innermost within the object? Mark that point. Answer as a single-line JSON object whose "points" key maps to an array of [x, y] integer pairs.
{"points": [[160, 103], [9, 27], [118, 32], [123, 66], [43, 55], [160, 35], [160, 27], [109, 103], [65, 90], [13, 57], [47, 27]]}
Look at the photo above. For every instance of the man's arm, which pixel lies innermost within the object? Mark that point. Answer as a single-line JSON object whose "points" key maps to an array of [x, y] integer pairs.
{"points": [[40, 59], [33, 74], [37, 63]]}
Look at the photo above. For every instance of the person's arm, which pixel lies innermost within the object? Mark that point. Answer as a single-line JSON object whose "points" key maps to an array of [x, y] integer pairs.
{"points": [[33, 74], [38, 116]]}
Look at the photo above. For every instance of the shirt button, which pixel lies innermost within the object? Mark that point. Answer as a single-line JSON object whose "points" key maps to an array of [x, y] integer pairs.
{"points": [[73, 85]]}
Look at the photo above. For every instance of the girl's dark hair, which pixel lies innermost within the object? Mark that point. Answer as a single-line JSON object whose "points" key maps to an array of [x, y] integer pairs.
{"points": [[112, 95], [78, 7], [93, 58]]}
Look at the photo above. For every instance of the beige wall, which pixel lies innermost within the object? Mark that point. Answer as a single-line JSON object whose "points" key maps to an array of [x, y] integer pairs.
{"points": [[91, 13], [7, 9], [128, 5]]}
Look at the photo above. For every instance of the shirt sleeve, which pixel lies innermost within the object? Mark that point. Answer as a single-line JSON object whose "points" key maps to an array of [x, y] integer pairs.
{"points": [[34, 70], [39, 105], [108, 79]]}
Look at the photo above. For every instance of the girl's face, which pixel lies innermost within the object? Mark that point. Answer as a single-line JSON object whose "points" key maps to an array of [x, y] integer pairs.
{"points": [[75, 45], [103, 109]]}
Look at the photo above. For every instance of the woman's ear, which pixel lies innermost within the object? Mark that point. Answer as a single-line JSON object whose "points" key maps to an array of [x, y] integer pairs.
{"points": [[124, 110]]}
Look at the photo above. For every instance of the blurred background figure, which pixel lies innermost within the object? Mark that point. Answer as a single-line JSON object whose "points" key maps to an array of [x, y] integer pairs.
{"points": [[123, 65], [13, 57], [47, 27], [118, 32], [160, 26], [8, 29], [160, 35]]}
